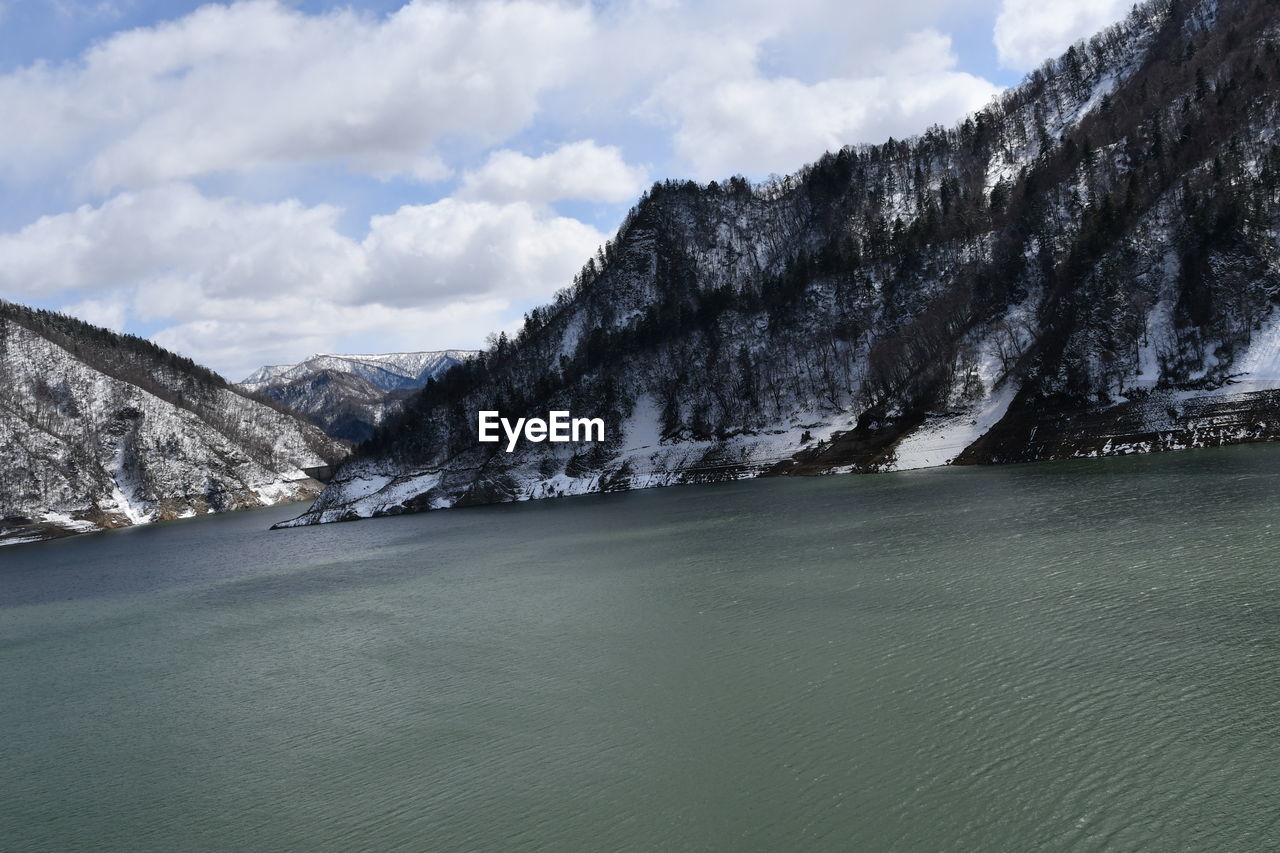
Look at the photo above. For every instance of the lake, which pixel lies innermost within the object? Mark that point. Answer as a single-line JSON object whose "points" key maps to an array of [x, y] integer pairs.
{"points": [[1064, 656]]}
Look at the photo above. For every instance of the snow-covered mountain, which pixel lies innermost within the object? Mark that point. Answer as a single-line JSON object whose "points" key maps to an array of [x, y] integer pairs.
{"points": [[349, 395], [99, 430], [1088, 266], [386, 371]]}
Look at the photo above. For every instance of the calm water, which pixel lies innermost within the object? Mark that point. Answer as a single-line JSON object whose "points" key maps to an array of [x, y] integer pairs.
{"points": [[1078, 656]]}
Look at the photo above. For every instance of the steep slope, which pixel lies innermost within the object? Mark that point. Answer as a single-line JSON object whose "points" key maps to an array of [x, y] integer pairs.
{"points": [[347, 396], [1087, 266], [98, 430]]}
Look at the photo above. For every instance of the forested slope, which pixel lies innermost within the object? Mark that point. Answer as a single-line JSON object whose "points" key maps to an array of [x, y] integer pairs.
{"points": [[347, 396], [1087, 266], [99, 430]]}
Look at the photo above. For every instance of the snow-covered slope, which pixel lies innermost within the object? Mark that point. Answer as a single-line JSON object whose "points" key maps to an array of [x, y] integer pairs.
{"points": [[349, 395], [387, 372], [1087, 266], [100, 431]]}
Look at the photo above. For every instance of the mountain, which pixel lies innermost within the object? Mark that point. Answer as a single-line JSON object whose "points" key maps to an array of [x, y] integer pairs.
{"points": [[388, 371], [1088, 266], [347, 396], [99, 430]]}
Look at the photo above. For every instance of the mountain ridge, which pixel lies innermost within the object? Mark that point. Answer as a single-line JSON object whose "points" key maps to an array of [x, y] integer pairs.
{"points": [[347, 396], [102, 430], [1082, 268], [406, 365]]}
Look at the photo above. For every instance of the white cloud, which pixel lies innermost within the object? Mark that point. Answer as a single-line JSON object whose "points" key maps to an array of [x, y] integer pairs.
{"points": [[175, 235], [264, 101], [253, 84], [286, 329], [110, 313], [1030, 31], [579, 170], [234, 283], [467, 250], [257, 84], [736, 122]]}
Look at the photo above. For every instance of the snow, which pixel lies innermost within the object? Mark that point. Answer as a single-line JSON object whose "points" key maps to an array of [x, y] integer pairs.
{"points": [[372, 495], [276, 492], [740, 244], [561, 485], [266, 374], [1159, 337], [1259, 368], [19, 540], [363, 485], [941, 439], [124, 489], [108, 445], [572, 336], [641, 461], [938, 443], [388, 371], [23, 535], [644, 428], [1106, 85], [66, 522]]}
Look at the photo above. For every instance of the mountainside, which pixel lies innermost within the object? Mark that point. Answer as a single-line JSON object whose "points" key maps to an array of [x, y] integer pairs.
{"points": [[385, 371], [99, 430], [1088, 266], [347, 396]]}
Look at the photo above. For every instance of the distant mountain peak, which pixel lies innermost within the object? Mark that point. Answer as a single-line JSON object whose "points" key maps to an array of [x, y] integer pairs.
{"points": [[375, 385], [407, 365]]}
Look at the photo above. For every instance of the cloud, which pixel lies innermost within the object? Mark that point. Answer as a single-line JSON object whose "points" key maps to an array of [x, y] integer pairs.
{"points": [[231, 282], [736, 122], [110, 313], [288, 328], [579, 170], [467, 250], [192, 140], [1028, 32], [747, 86], [174, 235], [255, 84]]}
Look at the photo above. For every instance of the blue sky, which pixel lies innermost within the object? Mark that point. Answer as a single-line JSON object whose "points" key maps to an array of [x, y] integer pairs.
{"points": [[255, 181]]}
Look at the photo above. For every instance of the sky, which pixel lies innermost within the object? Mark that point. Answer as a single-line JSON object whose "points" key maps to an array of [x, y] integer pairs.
{"points": [[252, 182]]}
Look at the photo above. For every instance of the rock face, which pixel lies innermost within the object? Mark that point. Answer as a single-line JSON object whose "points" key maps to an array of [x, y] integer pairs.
{"points": [[99, 430], [1088, 266], [347, 396]]}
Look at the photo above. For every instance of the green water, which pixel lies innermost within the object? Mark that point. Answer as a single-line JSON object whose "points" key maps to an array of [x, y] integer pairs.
{"points": [[1078, 656]]}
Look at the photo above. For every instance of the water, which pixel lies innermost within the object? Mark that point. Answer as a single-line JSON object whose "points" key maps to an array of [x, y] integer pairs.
{"points": [[1076, 656]]}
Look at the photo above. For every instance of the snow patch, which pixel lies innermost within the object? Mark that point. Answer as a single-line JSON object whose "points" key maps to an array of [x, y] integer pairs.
{"points": [[276, 492], [1259, 368], [124, 490], [644, 428], [1159, 338], [66, 522], [939, 442], [20, 540]]}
